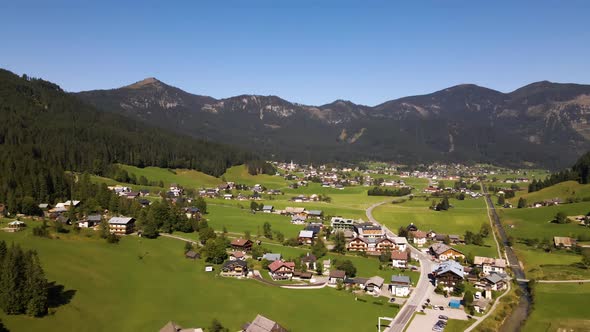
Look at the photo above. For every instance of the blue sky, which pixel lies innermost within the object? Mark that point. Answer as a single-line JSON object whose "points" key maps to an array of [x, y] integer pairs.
{"points": [[310, 52]]}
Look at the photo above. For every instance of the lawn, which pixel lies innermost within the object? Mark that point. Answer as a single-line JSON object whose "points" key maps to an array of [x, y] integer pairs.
{"points": [[184, 177], [563, 190], [113, 289], [560, 307], [468, 214], [239, 174]]}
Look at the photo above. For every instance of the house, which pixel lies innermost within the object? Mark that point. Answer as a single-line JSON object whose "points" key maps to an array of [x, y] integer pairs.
{"points": [[241, 244], [271, 257], [144, 192], [298, 220], [456, 239], [228, 196], [64, 220], [302, 275], [399, 259], [563, 242], [280, 270], [341, 224], [418, 238], [192, 255], [268, 209], [121, 225], [412, 228], [489, 265], [314, 227], [368, 230], [448, 274], [480, 305], [263, 324], [335, 276], [358, 282], [443, 252], [401, 243], [235, 268], [91, 221], [400, 286], [237, 255], [305, 237], [293, 210], [310, 261], [173, 327], [15, 226], [317, 214], [374, 285], [493, 281], [44, 206], [384, 244], [357, 244]]}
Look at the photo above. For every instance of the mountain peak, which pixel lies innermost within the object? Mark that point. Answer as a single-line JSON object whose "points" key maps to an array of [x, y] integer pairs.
{"points": [[145, 82]]}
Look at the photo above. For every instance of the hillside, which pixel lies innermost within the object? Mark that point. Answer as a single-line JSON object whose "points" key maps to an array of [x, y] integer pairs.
{"points": [[564, 191], [45, 131], [543, 124]]}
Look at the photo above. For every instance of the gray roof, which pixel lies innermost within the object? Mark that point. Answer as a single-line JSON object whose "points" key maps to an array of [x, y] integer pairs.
{"points": [[94, 217], [400, 280], [271, 257], [120, 220], [315, 212], [493, 278], [450, 266], [306, 234], [262, 324], [268, 207], [376, 280]]}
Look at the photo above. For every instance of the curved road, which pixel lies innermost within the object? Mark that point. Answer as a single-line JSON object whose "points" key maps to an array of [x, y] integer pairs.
{"points": [[422, 289]]}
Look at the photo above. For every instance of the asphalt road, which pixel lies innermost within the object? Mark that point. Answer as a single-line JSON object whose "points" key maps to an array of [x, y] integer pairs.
{"points": [[423, 287]]}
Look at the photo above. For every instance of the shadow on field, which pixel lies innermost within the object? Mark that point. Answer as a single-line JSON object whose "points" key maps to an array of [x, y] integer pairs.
{"points": [[58, 296], [3, 328]]}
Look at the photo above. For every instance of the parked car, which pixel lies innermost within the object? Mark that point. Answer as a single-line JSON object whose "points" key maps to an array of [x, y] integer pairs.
{"points": [[391, 300], [443, 317]]}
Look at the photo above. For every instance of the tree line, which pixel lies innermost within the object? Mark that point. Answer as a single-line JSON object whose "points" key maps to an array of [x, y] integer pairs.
{"points": [[378, 191], [23, 286], [580, 172], [45, 132]]}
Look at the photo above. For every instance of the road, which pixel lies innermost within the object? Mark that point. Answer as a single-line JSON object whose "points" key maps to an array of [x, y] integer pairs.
{"points": [[423, 287]]}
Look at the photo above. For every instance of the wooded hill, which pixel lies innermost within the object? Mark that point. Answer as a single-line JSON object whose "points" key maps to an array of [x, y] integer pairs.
{"points": [[45, 132]]}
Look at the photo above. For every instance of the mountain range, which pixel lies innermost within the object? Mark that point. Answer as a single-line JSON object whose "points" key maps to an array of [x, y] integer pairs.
{"points": [[543, 124]]}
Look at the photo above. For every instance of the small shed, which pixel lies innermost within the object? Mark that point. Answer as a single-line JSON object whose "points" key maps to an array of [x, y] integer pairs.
{"points": [[455, 304], [192, 255]]}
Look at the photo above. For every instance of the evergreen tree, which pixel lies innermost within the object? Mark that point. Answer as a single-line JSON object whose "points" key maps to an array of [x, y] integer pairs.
{"points": [[339, 242], [522, 203]]}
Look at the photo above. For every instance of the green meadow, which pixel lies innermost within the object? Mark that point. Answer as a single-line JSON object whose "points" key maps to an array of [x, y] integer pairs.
{"points": [[468, 214], [184, 177], [560, 307], [563, 190], [140, 284]]}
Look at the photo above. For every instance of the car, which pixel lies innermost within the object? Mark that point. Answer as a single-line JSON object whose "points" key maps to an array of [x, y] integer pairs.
{"points": [[443, 317], [391, 300], [441, 323], [440, 307], [435, 307]]}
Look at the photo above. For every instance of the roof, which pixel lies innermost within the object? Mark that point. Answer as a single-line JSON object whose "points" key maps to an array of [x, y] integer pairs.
{"points": [[120, 220], [227, 264], [263, 324], [418, 234], [400, 280], [16, 223], [191, 254], [306, 234], [376, 280], [400, 240], [399, 255], [449, 266], [493, 278], [315, 212], [238, 254], [271, 257], [439, 248], [239, 242], [94, 217], [479, 260], [268, 207], [565, 241], [278, 264], [171, 327], [309, 258], [337, 274]]}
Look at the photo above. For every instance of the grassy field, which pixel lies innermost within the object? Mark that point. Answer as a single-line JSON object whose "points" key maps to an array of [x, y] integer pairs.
{"points": [[184, 177], [560, 307], [468, 214], [239, 174], [113, 289], [563, 190]]}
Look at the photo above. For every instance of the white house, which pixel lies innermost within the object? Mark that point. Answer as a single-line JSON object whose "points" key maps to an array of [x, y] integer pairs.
{"points": [[401, 243], [419, 238], [399, 259], [400, 286], [489, 265]]}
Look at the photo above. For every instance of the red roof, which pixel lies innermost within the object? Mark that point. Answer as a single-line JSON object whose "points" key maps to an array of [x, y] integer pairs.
{"points": [[399, 255], [238, 254], [278, 264], [239, 242]]}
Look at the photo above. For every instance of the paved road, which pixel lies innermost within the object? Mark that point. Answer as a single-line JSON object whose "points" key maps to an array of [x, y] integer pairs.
{"points": [[423, 287]]}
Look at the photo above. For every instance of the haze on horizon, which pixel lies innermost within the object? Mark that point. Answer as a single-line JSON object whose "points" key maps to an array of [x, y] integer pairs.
{"points": [[302, 51]]}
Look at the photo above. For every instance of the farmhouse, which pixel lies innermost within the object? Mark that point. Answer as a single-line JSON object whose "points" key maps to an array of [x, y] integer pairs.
{"points": [[235, 268], [317, 214], [305, 237], [241, 244], [121, 225], [263, 324], [280, 270], [91, 221], [448, 274], [335, 276], [419, 238], [489, 265], [298, 220], [400, 286], [399, 259], [14, 226], [374, 284], [310, 261], [268, 209], [237, 256], [493, 281], [443, 252], [384, 244], [563, 242]]}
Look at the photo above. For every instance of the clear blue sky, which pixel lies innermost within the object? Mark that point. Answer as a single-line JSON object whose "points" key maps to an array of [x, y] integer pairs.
{"points": [[365, 51]]}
